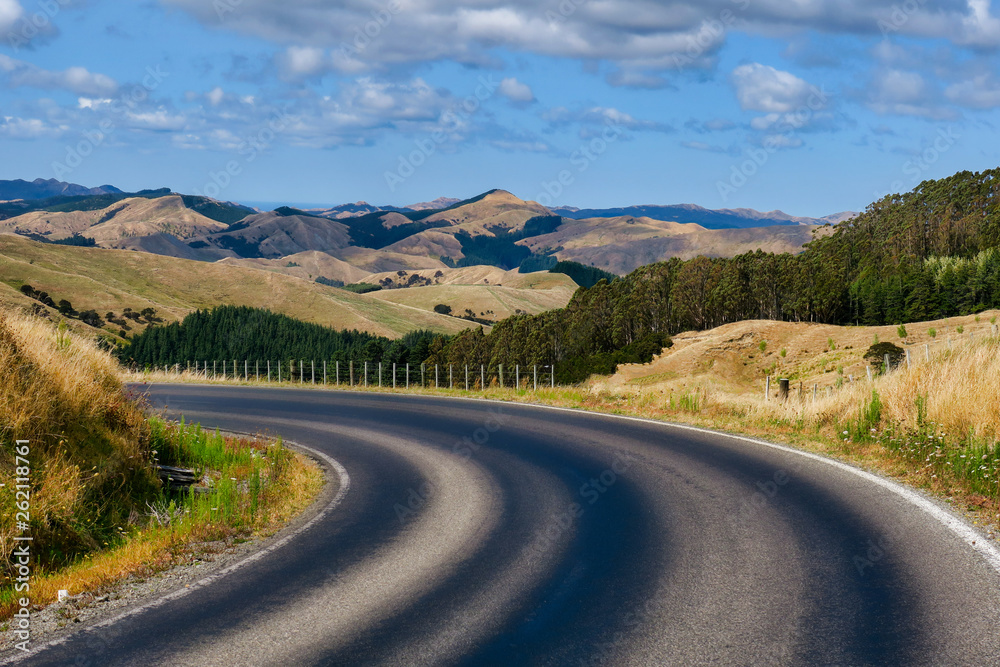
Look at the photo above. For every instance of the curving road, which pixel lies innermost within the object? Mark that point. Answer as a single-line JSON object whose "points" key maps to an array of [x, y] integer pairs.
{"points": [[477, 533]]}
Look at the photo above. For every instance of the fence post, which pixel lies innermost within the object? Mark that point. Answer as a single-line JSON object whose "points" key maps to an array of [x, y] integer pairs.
{"points": [[246, 370], [927, 351], [500, 374], [553, 374], [887, 367], [517, 376], [269, 370], [869, 369], [407, 375], [451, 378], [534, 370], [482, 377], [815, 390], [313, 367], [394, 375], [279, 370], [435, 376], [324, 372], [336, 370], [907, 357], [380, 375], [783, 389], [767, 388], [215, 367]]}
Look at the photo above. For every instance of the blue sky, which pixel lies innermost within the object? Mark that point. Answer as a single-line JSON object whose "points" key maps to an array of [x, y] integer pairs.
{"points": [[810, 106]]}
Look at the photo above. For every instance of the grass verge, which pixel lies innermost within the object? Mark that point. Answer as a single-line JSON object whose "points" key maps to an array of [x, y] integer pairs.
{"points": [[85, 489]]}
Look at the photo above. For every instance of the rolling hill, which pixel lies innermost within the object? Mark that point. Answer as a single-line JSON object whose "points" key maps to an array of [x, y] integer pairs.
{"points": [[112, 280]]}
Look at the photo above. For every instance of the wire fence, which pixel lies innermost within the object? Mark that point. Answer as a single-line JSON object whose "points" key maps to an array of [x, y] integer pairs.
{"points": [[363, 373], [783, 389]]}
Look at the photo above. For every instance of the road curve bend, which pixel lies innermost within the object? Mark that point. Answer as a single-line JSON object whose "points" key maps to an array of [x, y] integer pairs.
{"points": [[480, 533]]}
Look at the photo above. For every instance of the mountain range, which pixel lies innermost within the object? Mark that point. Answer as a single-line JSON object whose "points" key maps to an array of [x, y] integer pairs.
{"points": [[346, 242], [41, 189]]}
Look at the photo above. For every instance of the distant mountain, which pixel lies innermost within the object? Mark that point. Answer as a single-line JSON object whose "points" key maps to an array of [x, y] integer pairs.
{"points": [[740, 218], [495, 229], [43, 189], [440, 202], [352, 210]]}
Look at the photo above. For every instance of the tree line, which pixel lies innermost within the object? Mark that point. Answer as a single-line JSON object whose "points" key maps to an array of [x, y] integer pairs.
{"points": [[246, 333]]}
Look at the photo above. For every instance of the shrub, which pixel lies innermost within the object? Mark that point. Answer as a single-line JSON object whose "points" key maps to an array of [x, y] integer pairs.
{"points": [[442, 309], [876, 355], [901, 331]]}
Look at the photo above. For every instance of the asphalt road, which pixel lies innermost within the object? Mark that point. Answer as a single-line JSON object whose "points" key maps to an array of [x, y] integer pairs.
{"points": [[476, 533]]}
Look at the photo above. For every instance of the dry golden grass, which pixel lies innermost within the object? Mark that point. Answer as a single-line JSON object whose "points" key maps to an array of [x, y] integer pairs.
{"points": [[61, 393], [91, 477], [111, 280]]}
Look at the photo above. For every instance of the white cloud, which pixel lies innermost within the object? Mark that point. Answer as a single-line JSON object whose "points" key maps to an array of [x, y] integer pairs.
{"points": [[643, 37], [764, 88], [303, 62], [10, 13], [76, 80], [601, 117], [981, 92], [215, 96], [904, 93], [28, 128], [516, 91]]}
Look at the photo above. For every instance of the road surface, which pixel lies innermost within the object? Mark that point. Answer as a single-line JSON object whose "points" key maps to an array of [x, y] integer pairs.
{"points": [[479, 533]]}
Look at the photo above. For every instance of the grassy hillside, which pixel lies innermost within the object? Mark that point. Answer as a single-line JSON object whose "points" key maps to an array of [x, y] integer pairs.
{"points": [[728, 361], [111, 280], [489, 292], [97, 511], [90, 454]]}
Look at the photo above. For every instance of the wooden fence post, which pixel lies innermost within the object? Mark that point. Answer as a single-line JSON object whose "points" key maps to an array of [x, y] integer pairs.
{"points": [[783, 389]]}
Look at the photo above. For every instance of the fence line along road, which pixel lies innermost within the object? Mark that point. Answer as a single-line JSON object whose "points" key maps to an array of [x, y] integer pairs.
{"points": [[908, 359], [364, 373]]}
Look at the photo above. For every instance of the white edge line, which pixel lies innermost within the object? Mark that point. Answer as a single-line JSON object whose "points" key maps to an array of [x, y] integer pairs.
{"points": [[345, 484], [956, 525]]}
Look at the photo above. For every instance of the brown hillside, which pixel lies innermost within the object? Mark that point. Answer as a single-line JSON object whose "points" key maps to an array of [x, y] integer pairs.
{"points": [[728, 359]]}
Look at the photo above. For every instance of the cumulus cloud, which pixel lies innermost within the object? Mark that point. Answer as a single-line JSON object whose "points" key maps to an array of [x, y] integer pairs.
{"points": [[764, 88], [76, 80], [980, 92], [517, 92], [599, 117], [13, 127], [905, 93], [10, 13]]}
